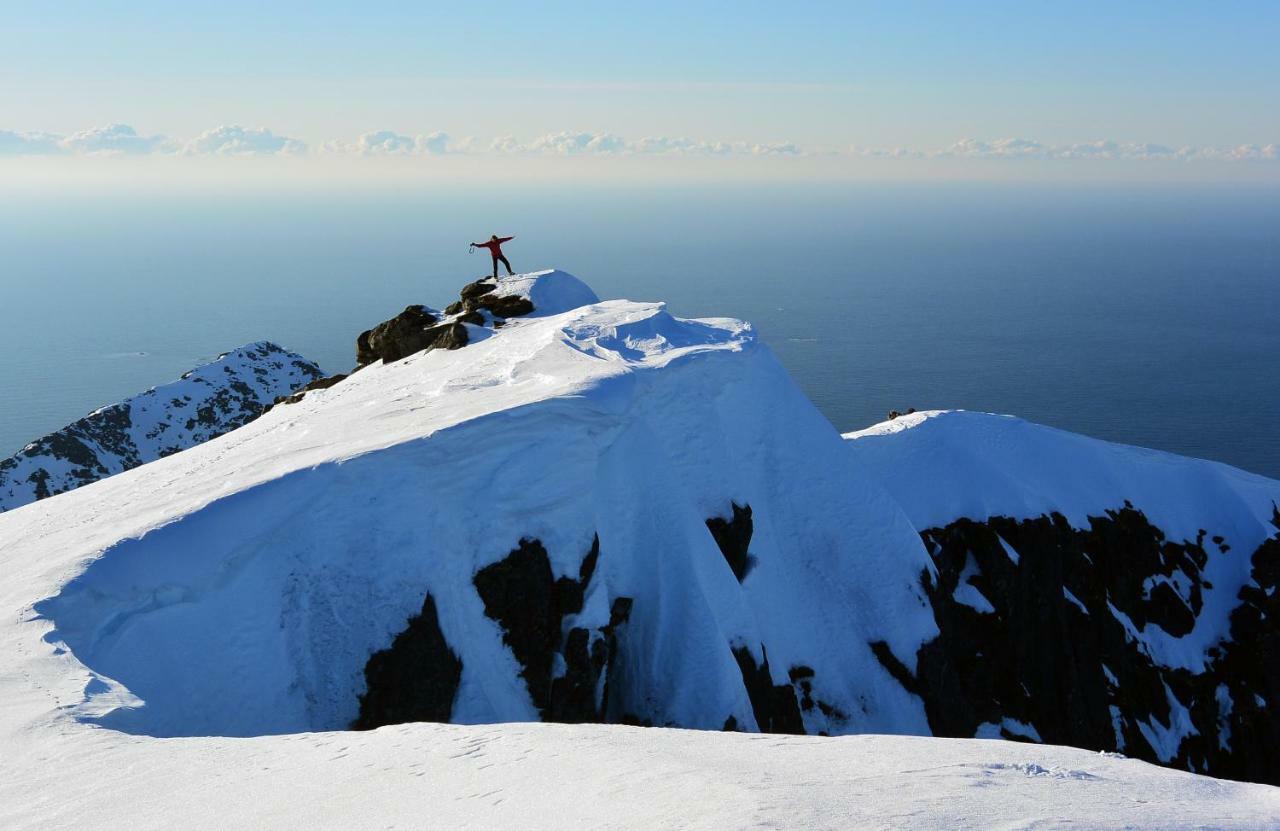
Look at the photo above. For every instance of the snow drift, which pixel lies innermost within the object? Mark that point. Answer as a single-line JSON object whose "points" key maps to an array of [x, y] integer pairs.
{"points": [[267, 566]]}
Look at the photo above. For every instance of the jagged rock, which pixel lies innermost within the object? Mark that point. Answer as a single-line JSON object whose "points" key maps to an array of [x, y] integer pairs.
{"points": [[573, 695], [733, 536], [203, 404], [474, 318], [509, 305], [393, 339], [409, 332], [774, 705], [415, 679], [318, 384], [520, 593], [480, 287], [1049, 644], [453, 308]]}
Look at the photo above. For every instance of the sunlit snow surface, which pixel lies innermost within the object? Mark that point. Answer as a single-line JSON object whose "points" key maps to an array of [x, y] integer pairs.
{"points": [[944, 465], [236, 589]]}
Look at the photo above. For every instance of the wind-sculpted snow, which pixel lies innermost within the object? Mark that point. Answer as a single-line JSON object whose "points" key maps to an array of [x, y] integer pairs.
{"points": [[208, 401], [591, 511], [1099, 595], [249, 596]]}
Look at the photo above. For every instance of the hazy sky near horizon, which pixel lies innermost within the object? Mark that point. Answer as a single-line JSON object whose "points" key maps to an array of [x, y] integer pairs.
{"points": [[1130, 81]]}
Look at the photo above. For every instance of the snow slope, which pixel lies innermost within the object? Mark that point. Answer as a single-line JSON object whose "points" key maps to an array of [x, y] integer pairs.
{"points": [[1104, 596], [241, 589], [550, 776], [208, 401], [181, 641], [942, 465]]}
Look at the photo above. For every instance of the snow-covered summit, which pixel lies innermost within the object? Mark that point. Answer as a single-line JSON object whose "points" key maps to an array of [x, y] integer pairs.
{"points": [[665, 473], [536, 505], [206, 402], [551, 291]]}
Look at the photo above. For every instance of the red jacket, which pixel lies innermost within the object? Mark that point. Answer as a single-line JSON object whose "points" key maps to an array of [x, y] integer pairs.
{"points": [[494, 245]]}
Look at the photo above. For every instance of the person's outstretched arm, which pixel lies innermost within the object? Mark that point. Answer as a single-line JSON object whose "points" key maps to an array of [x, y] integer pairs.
{"points": [[505, 239]]}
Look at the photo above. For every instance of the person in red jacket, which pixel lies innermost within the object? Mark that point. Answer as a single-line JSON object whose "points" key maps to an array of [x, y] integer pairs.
{"points": [[495, 248]]}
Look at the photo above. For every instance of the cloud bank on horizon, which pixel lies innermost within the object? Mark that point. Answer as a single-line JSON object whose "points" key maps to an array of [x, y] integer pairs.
{"points": [[114, 140]]}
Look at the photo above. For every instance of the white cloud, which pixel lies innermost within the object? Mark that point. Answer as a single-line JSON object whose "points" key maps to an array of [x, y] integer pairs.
{"points": [[778, 149], [385, 143], [29, 144], [234, 140], [573, 144], [112, 140], [1104, 149], [608, 144], [434, 143], [391, 143]]}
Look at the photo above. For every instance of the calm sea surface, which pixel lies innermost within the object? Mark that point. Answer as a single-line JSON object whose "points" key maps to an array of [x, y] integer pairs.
{"points": [[1143, 315]]}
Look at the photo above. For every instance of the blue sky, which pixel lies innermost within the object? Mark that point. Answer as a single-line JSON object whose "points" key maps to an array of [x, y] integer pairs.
{"points": [[913, 77]]}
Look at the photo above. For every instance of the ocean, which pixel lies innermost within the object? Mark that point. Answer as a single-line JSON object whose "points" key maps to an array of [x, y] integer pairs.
{"points": [[1148, 315]]}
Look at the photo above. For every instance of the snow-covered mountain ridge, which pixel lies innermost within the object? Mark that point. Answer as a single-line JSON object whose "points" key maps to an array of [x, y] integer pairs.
{"points": [[206, 402], [1089, 593], [582, 511], [243, 589]]}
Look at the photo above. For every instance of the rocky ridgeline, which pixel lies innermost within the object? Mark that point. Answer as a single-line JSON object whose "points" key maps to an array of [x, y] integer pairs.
{"points": [[421, 328], [203, 404], [1051, 642]]}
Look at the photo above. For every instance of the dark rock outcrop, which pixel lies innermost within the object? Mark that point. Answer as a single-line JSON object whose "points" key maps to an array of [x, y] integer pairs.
{"points": [[418, 328], [318, 384], [733, 536], [413, 330], [530, 605], [519, 592], [479, 288], [1049, 636], [509, 305], [415, 679], [774, 705]]}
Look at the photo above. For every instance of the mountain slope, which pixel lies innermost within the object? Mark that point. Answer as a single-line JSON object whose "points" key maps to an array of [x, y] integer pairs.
{"points": [[1089, 593], [243, 588], [206, 402], [557, 509]]}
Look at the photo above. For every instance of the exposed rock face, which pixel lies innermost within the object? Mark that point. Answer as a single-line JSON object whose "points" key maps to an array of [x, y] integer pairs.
{"points": [[510, 305], [318, 384], [413, 330], [479, 288], [733, 536], [205, 403], [415, 679], [530, 605], [1039, 626], [418, 328], [774, 705], [519, 593]]}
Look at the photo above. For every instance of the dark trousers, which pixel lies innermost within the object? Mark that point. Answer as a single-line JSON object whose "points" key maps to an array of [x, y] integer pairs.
{"points": [[498, 258]]}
